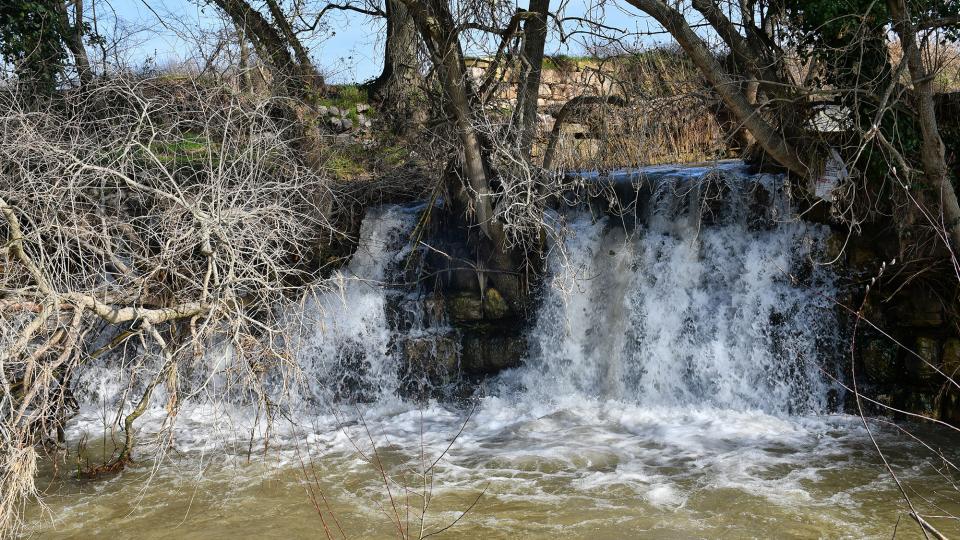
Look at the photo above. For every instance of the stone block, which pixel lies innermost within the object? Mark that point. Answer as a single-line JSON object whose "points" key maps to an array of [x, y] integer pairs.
{"points": [[917, 308], [951, 358], [879, 360], [494, 306], [921, 365], [485, 353], [465, 307]]}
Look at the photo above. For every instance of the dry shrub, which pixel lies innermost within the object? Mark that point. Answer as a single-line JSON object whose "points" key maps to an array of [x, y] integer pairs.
{"points": [[143, 223]]}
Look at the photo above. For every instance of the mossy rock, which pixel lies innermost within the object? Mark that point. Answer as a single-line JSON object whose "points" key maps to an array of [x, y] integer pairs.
{"points": [[433, 354], [470, 307], [494, 306], [465, 307]]}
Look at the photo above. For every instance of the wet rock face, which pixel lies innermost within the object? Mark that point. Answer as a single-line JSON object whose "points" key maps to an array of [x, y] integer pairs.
{"points": [[464, 324], [925, 361], [479, 339], [489, 350], [473, 307], [907, 343], [879, 359]]}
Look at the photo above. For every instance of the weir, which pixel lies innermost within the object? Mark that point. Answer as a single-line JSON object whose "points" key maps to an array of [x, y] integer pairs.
{"points": [[670, 286], [676, 377]]}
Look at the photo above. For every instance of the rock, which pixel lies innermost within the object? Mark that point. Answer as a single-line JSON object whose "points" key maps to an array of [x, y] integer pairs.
{"points": [[922, 369], [863, 258], [879, 357], [334, 122], [494, 306], [873, 310], [362, 107], [574, 129], [917, 307], [346, 124], [434, 354], [919, 402], [362, 120], [487, 353], [323, 110], [833, 250], [334, 111], [465, 307], [950, 408], [429, 362], [951, 357]]}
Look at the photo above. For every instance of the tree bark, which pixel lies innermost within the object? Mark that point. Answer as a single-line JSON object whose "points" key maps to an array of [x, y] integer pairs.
{"points": [[399, 83], [931, 150], [534, 40], [245, 78], [307, 71], [73, 38], [271, 46], [437, 27]]}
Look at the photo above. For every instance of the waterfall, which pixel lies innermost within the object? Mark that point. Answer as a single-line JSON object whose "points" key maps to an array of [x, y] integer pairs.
{"points": [[346, 348], [703, 293], [679, 312], [676, 381]]}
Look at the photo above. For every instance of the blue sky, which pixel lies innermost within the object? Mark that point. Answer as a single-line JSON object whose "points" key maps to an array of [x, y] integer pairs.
{"points": [[349, 52]]}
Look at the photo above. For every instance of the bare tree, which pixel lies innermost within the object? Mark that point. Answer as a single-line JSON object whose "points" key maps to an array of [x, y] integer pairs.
{"points": [[193, 228], [535, 38], [277, 44], [931, 150], [399, 87]]}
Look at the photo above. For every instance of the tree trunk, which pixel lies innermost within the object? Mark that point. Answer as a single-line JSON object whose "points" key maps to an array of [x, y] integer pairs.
{"points": [[436, 25], [72, 35], [931, 150], [307, 71], [534, 39], [398, 86], [244, 77], [772, 141], [270, 45]]}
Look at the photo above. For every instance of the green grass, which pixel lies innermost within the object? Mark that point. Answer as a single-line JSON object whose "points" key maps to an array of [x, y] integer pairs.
{"points": [[190, 148], [347, 97], [394, 156], [345, 167], [563, 61]]}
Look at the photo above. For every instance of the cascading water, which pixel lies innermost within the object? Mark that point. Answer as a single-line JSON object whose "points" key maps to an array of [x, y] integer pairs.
{"points": [[677, 384], [345, 348], [679, 313]]}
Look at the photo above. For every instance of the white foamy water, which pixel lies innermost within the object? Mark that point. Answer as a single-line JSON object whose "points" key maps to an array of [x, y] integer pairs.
{"points": [[674, 387]]}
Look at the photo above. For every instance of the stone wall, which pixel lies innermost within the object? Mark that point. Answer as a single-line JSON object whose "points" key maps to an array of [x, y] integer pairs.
{"points": [[907, 342], [672, 122]]}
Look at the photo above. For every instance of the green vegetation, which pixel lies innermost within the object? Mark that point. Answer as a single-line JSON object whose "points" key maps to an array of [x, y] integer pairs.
{"points": [[190, 149], [346, 98], [30, 32]]}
